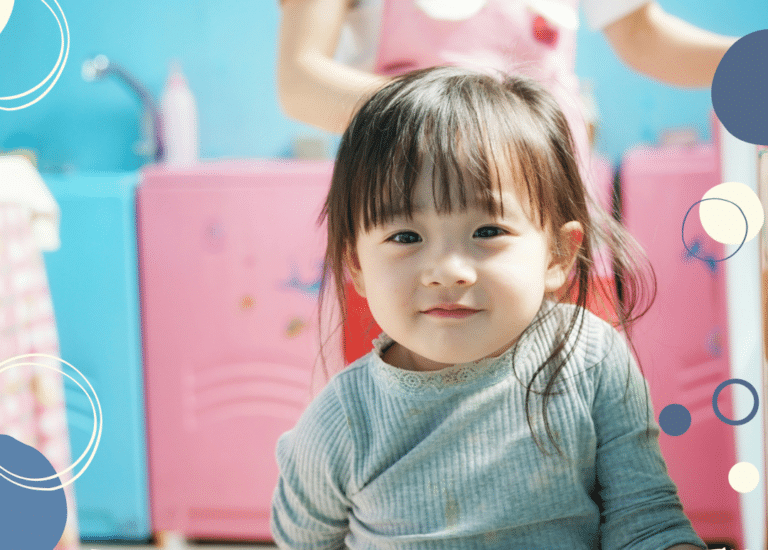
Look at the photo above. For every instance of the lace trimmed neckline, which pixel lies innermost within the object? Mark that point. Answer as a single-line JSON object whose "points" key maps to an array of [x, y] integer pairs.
{"points": [[464, 375]]}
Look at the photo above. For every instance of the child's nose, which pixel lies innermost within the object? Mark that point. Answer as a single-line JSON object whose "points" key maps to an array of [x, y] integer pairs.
{"points": [[448, 270]]}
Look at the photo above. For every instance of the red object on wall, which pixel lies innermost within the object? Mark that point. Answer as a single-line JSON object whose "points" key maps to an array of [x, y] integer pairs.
{"points": [[360, 328]]}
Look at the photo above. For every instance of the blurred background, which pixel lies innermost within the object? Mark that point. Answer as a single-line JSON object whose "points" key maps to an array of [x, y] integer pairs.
{"points": [[228, 54], [184, 302]]}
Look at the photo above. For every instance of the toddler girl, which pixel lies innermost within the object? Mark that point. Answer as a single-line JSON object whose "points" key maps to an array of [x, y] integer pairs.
{"points": [[490, 414]]}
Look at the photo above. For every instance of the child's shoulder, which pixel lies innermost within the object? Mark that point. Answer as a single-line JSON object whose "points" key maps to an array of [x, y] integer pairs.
{"points": [[594, 341], [593, 326], [344, 385], [326, 424], [354, 373]]}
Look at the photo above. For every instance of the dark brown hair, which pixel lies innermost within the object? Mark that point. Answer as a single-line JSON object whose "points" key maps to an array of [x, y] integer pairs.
{"points": [[471, 126]]}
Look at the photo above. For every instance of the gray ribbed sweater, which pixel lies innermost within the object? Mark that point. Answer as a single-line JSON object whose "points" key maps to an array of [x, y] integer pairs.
{"points": [[390, 459]]}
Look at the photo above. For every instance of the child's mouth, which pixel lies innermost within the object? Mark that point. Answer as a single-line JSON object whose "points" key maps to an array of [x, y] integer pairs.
{"points": [[458, 313]]}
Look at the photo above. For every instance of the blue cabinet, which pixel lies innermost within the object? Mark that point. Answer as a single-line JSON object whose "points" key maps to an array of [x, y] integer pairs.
{"points": [[93, 280]]}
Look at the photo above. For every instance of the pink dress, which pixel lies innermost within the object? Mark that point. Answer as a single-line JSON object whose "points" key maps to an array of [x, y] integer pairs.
{"points": [[32, 398], [501, 35]]}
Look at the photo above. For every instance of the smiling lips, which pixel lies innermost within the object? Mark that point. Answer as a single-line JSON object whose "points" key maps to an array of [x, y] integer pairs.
{"points": [[454, 311]]}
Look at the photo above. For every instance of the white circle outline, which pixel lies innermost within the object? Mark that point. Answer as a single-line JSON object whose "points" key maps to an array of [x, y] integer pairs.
{"points": [[4, 5], [97, 422], [55, 67], [92, 409]]}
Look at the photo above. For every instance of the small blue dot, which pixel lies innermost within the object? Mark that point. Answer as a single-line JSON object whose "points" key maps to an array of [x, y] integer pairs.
{"points": [[675, 419]]}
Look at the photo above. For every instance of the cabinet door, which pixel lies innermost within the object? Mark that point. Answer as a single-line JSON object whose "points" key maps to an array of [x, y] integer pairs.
{"points": [[233, 320]]}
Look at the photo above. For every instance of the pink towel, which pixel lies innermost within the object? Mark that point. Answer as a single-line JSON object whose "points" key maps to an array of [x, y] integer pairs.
{"points": [[32, 398]]}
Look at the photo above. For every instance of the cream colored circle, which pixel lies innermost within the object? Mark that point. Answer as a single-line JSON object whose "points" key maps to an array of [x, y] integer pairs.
{"points": [[6, 7], [743, 477], [723, 221], [450, 10]]}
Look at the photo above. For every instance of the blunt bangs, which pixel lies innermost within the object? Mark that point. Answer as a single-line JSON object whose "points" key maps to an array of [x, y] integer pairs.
{"points": [[450, 131]]}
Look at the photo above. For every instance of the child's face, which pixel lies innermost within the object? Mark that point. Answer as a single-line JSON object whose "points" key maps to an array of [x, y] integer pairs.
{"points": [[499, 268]]}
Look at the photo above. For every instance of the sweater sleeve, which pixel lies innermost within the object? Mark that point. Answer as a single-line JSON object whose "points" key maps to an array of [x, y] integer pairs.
{"points": [[309, 505], [639, 502]]}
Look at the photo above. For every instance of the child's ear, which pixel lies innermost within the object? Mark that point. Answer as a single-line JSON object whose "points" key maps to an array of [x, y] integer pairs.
{"points": [[563, 257], [353, 265]]}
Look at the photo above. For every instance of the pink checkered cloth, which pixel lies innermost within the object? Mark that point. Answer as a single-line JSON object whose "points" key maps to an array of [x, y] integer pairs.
{"points": [[32, 398]]}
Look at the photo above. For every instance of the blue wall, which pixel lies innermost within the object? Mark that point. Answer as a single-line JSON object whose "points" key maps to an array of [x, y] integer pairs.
{"points": [[228, 50], [636, 109]]}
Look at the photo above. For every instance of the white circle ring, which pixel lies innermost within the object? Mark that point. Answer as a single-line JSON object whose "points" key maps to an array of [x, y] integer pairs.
{"points": [[6, 8], [55, 67], [98, 422]]}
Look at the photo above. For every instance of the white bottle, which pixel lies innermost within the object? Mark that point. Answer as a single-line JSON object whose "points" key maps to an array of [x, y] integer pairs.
{"points": [[179, 120]]}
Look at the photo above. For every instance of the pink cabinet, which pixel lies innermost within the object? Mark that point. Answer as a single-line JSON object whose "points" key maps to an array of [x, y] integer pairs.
{"points": [[682, 342], [230, 258]]}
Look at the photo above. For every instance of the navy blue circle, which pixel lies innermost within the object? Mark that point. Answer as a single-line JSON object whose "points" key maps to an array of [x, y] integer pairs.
{"points": [[738, 88], [747, 385], [675, 419], [708, 259], [36, 519]]}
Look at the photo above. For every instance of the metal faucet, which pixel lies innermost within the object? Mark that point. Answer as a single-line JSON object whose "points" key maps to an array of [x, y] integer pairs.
{"points": [[152, 143]]}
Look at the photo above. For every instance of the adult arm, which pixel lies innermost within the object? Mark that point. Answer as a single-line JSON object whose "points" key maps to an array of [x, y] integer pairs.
{"points": [[666, 48], [312, 87]]}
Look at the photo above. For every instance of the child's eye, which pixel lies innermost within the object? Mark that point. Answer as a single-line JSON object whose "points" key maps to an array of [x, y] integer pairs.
{"points": [[489, 231], [405, 237]]}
